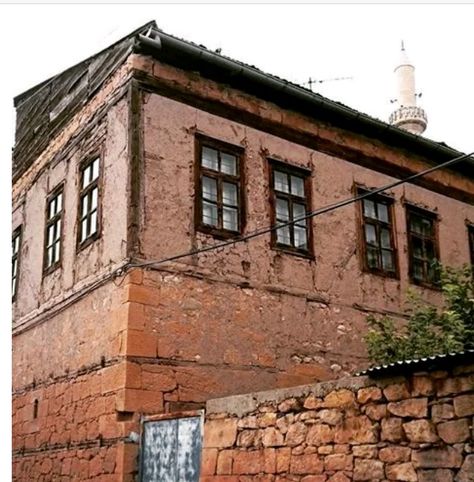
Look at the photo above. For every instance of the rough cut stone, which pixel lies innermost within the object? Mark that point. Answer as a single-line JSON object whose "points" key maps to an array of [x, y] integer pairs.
{"points": [[422, 385], [367, 469], [356, 430], [365, 395], [455, 431], [291, 404], [339, 398], [413, 407], [466, 474], [392, 429], [296, 434], [396, 391], [330, 416], [442, 411], [365, 451], [421, 431], [404, 472], [312, 402], [443, 458], [338, 462], [320, 434], [464, 405], [306, 464], [394, 454], [271, 437], [438, 475], [376, 412], [220, 433], [337, 477]]}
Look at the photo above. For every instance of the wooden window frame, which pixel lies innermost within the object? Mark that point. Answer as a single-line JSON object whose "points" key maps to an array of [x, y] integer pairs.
{"points": [[16, 257], [411, 209], [391, 226], [200, 171], [470, 237], [49, 222], [84, 192], [305, 174]]}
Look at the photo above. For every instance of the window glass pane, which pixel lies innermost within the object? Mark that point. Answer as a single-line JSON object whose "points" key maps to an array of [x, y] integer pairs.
{"points": [[86, 176], [94, 194], [426, 226], [228, 164], [283, 235], [84, 205], [281, 182], [432, 272], [51, 208], [369, 209], [382, 210], [417, 246], [297, 186], [50, 234], [50, 253], [209, 214], [229, 194], [16, 244], [230, 219], [209, 188], [429, 250], [385, 238], [58, 230], [282, 211], [209, 158], [14, 267], [300, 237], [372, 258], [57, 248], [416, 224], [417, 269], [84, 229], [95, 170], [93, 222], [299, 211], [370, 234], [387, 260], [59, 205]]}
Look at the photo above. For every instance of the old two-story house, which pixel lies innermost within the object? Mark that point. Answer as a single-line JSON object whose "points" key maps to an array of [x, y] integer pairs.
{"points": [[128, 168]]}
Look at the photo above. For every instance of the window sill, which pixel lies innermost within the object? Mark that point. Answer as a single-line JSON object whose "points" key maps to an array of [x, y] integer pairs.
{"points": [[294, 252], [51, 269], [425, 284], [383, 274], [87, 242], [217, 233]]}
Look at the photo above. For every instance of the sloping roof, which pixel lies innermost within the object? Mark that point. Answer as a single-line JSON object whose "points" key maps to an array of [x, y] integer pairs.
{"points": [[427, 363]]}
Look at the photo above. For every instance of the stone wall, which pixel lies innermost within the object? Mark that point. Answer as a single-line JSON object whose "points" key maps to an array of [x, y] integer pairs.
{"points": [[415, 428]]}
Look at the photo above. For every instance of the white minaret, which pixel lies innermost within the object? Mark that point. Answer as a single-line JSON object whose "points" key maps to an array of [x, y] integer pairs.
{"points": [[408, 116]]}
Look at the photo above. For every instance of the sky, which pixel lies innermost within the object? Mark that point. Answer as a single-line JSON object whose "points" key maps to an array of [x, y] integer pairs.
{"points": [[293, 41]]}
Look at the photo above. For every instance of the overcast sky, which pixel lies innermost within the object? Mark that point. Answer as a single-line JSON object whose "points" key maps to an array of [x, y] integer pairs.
{"points": [[292, 41]]}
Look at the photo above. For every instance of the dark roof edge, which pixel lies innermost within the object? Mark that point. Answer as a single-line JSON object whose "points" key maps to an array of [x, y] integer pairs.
{"points": [[181, 53], [31, 91]]}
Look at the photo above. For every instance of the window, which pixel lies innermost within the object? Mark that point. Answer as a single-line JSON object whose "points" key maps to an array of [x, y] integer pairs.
{"points": [[422, 246], [219, 207], [290, 198], [377, 233], [54, 212], [16, 244], [88, 229], [470, 232]]}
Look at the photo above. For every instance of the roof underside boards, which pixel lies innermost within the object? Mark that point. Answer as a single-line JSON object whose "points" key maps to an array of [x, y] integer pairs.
{"points": [[42, 111]]}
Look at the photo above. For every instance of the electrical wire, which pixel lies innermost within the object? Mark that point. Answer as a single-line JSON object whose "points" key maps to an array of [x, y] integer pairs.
{"points": [[311, 214]]}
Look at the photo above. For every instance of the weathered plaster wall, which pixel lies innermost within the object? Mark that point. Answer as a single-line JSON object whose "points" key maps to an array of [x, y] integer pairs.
{"points": [[415, 428], [36, 292]]}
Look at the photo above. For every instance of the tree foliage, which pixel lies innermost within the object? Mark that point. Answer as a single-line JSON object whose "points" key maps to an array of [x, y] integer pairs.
{"points": [[429, 330]]}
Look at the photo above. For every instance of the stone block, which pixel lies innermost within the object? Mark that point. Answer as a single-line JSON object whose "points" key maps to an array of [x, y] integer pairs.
{"points": [[370, 394], [412, 407], [405, 472], [365, 451], [338, 462], [434, 458], [220, 433], [208, 461], [466, 474], [320, 434], [306, 464], [392, 430], [464, 405], [396, 391], [438, 475], [455, 431], [394, 454], [339, 399], [421, 431], [296, 434], [442, 411], [271, 437], [368, 469]]}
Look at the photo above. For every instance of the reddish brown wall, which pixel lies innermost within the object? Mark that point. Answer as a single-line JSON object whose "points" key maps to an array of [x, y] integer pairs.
{"points": [[416, 428]]}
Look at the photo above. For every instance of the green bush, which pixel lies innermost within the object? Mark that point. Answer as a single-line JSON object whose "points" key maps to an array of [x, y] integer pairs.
{"points": [[429, 330]]}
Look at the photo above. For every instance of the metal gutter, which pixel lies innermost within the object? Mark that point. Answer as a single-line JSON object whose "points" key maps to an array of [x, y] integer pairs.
{"points": [[245, 77]]}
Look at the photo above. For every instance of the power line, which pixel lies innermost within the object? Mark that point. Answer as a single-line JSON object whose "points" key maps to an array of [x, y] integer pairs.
{"points": [[311, 214]]}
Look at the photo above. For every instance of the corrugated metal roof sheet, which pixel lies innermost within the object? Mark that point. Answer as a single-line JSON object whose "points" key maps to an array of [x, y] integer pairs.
{"points": [[431, 362]]}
